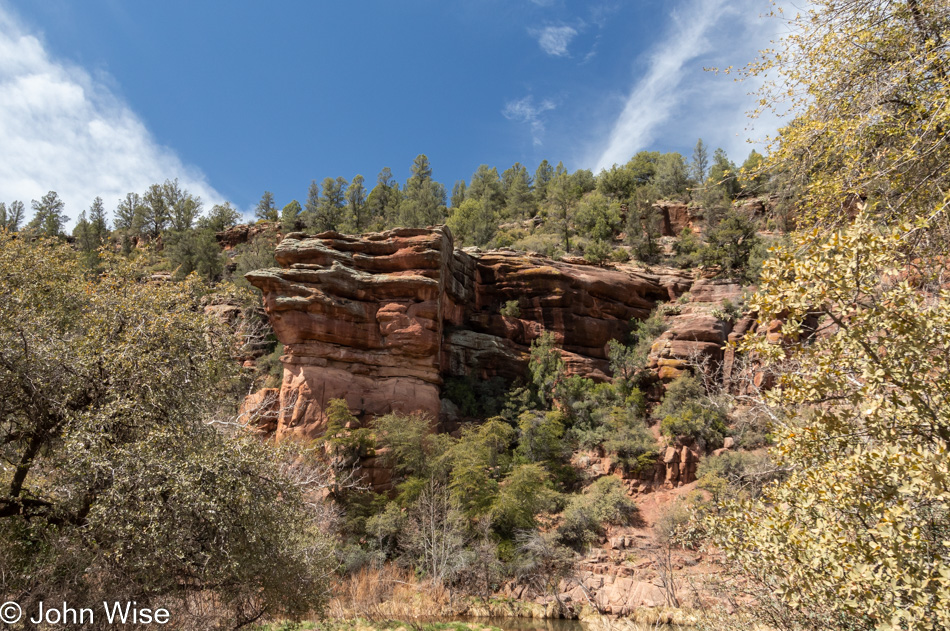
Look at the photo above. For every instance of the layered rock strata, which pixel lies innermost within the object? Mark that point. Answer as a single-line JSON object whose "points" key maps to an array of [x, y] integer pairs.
{"points": [[380, 320]]}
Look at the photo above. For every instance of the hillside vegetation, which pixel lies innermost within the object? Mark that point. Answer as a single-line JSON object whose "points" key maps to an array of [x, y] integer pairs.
{"points": [[126, 472]]}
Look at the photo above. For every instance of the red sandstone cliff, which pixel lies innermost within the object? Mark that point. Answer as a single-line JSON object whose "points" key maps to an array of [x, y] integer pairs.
{"points": [[379, 320]]}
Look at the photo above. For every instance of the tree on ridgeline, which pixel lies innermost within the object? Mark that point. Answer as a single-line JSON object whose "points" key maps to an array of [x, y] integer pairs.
{"points": [[266, 208], [11, 218], [289, 216], [311, 207], [423, 202], [520, 199], [130, 214], [220, 218], [562, 199], [699, 167], [357, 217], [98, 224], [724, 175], [331, 204], [48, 218], [542, 178], [458, 193], [155, 213], [672, 176]]}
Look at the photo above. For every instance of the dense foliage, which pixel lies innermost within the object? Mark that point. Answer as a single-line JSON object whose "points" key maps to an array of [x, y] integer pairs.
{"points": [[856, 536], [118, 479]]}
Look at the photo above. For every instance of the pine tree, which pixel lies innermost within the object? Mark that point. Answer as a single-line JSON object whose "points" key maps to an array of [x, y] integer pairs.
{"points": [[10, 219], [130, 214], [266, 209], [423, 199], [356, 205], [331, 204], [48, 217], [311, 207], [700, 164], [98, 223], [458, 193], [382, 204], [542, 178], [155, 212], [289, 216]]}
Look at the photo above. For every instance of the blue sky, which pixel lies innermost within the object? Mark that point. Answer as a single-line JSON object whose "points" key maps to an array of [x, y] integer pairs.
{"points": [[103, 97]]}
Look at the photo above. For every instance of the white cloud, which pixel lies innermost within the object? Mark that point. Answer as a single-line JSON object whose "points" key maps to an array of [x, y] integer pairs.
{"points": [[525, 111], [676, 101], [554, 40], [62, 130]]}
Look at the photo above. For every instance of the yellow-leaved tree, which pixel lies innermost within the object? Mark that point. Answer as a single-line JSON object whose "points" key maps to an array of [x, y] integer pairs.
{"points": [[858, 535]]}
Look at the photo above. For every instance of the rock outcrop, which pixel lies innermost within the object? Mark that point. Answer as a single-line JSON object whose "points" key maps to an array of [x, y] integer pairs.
{"points": [[380, 320]]}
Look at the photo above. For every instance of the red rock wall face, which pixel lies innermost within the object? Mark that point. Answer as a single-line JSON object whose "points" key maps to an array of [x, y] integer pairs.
{"points": [[379, 320]]}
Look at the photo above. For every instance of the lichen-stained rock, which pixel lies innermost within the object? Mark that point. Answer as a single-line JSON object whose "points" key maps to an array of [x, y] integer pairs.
{"points": [[380, 320]]}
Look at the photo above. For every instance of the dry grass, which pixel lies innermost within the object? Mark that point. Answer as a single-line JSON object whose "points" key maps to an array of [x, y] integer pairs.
{"points": [[390, 593]]}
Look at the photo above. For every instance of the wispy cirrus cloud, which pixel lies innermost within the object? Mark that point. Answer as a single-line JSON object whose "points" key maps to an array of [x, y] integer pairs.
{"points": [[524, 110], [554, 40], [674, 90], [63, 130]]}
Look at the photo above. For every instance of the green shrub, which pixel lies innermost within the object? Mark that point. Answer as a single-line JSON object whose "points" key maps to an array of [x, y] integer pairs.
{"points": [[597, 252], [680, 393], [410, 440], [730, 245], [344, 440], [687, 412], [511, 309], [686, 249], [602, 503], [523, 495], [620, 255], [704, 425]]}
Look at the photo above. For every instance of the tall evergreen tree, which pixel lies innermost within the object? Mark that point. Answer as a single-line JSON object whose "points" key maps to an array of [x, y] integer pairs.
{"points": [[542, 178], [130, 214], [98, 224], [699, 167], [563, 197], [183, 207], [289, 216], [155, 212], [642, 166], [382, 204], [458, 193], [520, 200], [424, 199], [486, 187], [723, 174], [671, 179], [11, 218], [266, 209], [616, 183], [356, 205], [220, 218], [311, 207], [48, 217], [752, 177], [331, 204]]}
